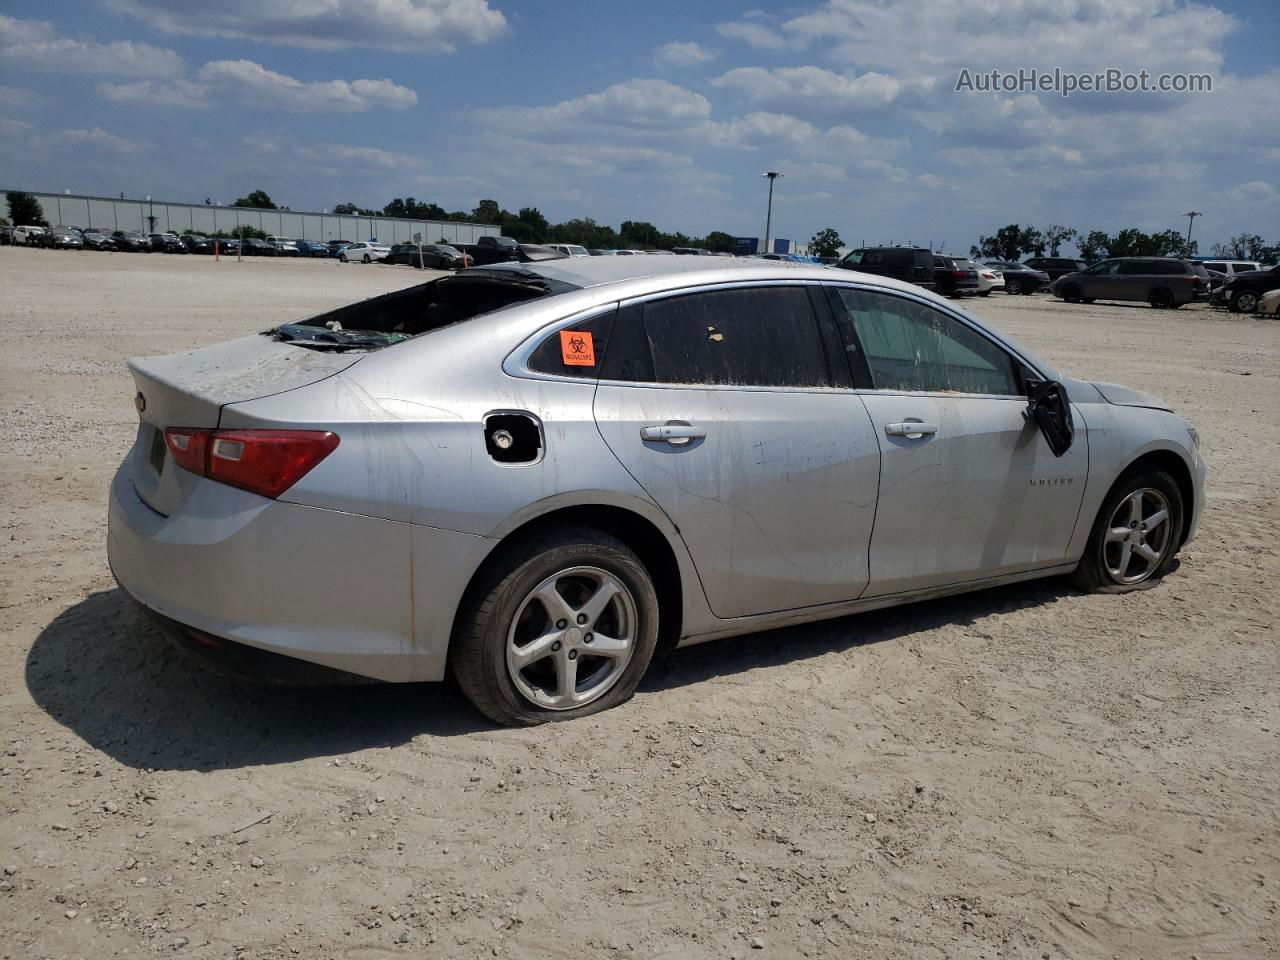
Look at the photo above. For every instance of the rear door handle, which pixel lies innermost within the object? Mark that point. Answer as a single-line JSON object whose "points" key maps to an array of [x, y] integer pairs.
{"points": [[675, 432], [912, 429]]}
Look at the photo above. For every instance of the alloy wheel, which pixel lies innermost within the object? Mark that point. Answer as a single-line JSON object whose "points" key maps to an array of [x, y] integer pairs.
{"points": [[572, 638], [1246, 302], [1138, 536]]}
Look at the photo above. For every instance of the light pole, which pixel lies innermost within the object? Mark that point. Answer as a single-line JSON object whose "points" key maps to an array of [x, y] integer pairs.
{"points": [[768, 220], [1191, 218]]}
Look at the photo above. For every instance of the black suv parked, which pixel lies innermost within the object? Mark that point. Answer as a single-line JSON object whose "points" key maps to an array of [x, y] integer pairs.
{"points": [[1160, 281], [912, 264], [1056, 267], [953, 277], [1241, 291]]}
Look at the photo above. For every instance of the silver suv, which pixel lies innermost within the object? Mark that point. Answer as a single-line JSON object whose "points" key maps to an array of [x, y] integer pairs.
{"points": [[1159, 281]]}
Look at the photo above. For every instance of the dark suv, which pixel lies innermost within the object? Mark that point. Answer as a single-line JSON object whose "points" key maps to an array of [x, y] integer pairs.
{"points": [[912, 264], [953, 277], [1241, 291], [1056, 267], [1160, 281]]}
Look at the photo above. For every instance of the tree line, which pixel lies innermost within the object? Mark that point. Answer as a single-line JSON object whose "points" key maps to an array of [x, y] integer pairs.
{"points": [[1014, 241]]}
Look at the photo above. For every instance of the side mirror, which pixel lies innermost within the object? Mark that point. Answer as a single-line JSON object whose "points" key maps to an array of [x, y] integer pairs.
{"points": [[1050, 408]]}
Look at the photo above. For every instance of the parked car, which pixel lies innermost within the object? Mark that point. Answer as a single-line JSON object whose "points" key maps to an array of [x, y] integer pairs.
{"points": [[1242, 291], [337, 246], [195, 243], [29, 236], [256, 247], [405, 253], [284, 246], [1269, 303], [364, 252], [131, 241], [989, 278], [490, 249], [6, 236], [442, 256], [95, 239], [571, 249], [689, 251], [552, 513], [166, 243], [63, 238], [226, 245], [909, 264], [1019, 278], [953, 277], [597, 252], [1229, 267], [1159, 281], [1055, 267]]}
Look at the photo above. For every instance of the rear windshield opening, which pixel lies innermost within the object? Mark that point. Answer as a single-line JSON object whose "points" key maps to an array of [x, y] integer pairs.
{"points": [[392, 317]]}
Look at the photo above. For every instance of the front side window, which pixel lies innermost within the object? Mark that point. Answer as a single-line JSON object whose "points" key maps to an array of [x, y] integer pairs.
{"points": [[908, 346]]}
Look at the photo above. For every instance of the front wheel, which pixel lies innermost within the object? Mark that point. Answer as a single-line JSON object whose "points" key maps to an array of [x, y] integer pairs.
{"points": [[366, 258], [1246, 301], [565, 626], [1072, 293], [1135, 537]]}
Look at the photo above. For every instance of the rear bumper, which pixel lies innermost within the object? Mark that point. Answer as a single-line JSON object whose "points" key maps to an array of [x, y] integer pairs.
{"points": [[371, 597]]}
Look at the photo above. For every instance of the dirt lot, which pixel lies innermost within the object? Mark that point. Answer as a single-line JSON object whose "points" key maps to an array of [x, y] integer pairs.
{"points": [[1025, 772]]}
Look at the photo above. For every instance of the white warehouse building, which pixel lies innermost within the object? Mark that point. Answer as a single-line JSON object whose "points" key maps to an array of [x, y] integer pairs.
{"points": [[161, 216]]}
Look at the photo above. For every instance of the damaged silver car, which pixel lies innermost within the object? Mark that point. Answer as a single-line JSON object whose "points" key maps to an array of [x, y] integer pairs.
{"points": [[538, 476]]}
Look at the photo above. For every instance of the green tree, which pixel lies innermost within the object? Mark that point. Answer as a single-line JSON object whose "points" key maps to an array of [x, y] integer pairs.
{"points": [[1056, 235], [1248, 246], [258, 200], [24, 210], [717, 241], [487, 211], [825, 243], [640, 233], [1093, 246]]}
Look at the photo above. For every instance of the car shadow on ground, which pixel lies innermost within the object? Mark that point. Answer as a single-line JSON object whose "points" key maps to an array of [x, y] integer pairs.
{"points": [[104, 671]]}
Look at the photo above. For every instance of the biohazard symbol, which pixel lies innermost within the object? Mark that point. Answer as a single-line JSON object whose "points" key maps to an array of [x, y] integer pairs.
{"points": [[576, 348]]}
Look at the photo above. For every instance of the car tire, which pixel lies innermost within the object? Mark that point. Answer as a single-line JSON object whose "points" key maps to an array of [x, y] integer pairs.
{"points": [[1161, 298], [1088, 299], [504, 615], [1108, 563], [1244, 301], [985, 293], [1013, 287], [1072, 293], [366, 259]]}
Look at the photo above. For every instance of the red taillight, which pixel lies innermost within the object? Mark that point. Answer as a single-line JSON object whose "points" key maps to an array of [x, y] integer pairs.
{"points": [[958, 273], [265, 462]]}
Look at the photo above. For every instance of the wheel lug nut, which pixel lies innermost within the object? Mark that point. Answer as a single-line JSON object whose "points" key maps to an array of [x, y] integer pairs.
{"points": [[588, 638], [573, 654], [556, 646], [561, 624], [582, 618]]}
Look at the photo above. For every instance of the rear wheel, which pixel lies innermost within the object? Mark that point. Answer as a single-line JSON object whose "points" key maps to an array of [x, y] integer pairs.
{"points": [[1135, 537], [1072, 293], [1013, 287], [1161, 298], [563, 627], [366, 258], [1088, 299]]}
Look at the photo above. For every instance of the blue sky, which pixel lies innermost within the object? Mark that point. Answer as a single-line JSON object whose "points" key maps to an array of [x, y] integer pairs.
{"points": [[660, 111]]}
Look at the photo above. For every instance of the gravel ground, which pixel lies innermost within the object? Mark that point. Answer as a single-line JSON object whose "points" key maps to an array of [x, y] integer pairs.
{"points": [[1025, 772]]}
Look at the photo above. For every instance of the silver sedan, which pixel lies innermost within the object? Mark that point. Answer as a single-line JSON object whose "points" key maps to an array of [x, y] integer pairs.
{"points": [[538, 476]]}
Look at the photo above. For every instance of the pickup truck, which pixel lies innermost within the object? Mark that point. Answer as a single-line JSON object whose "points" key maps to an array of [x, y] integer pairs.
{"points": [[489, 249]]}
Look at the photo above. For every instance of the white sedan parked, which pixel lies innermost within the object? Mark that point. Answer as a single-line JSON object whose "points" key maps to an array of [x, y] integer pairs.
{"points": [[364, 252]]}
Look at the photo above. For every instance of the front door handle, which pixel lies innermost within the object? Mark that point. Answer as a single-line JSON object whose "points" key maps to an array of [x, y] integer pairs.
{"points": [[912, 429], [675, 432]]}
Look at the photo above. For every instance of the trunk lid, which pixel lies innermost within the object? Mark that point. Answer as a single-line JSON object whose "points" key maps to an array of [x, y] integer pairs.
{"points": [[190, 389]]}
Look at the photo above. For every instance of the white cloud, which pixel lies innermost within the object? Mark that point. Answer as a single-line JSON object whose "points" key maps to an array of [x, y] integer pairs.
{"points": [[251, 84], [372, 156], [12, 127], [684, 54], [97, 137], [756, 35], [814, 89], [34, 45], [412, 26], [651, 105]]}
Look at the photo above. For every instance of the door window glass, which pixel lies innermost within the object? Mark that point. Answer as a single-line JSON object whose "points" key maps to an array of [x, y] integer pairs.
{"points": [[758, 336], [913, 347]]}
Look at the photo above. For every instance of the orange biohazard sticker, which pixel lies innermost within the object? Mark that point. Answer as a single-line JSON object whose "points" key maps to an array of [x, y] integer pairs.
{"points": [[576, 348]]}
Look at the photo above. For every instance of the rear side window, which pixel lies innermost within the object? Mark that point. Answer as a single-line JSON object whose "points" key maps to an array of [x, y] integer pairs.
{"points": [[576, 350], [757, 337], [1135, 267], [909, 346], [1242, 267]]}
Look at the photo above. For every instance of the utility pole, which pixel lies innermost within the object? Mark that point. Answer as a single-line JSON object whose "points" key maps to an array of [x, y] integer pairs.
{"points": [[1191, 218], [768, 220]]}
